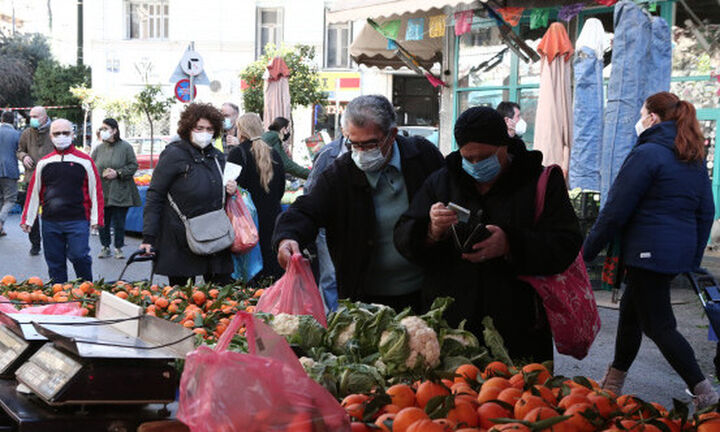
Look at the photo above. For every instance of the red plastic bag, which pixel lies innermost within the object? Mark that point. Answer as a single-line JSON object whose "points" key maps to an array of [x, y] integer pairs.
{"points": [[265, 390], [69, 308], [294, 293], [246, 233]]}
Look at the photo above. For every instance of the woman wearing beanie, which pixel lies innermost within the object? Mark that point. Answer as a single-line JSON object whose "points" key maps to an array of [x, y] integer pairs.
{"points": [[661, 205], [496, 183]]}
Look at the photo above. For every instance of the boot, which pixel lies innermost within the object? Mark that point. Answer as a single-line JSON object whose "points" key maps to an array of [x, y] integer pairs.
{"points": [[613, 380], [705, 395]]}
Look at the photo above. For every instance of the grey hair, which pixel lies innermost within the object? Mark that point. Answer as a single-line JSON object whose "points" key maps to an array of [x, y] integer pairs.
{"points": [[370, 109]]}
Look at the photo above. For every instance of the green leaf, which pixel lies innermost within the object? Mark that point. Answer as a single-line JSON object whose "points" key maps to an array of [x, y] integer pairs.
{"points": [[583, 382], [494, 341]]}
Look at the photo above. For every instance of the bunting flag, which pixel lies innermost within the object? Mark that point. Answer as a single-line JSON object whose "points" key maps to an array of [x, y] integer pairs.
{"points": [[566, 13], [511, 15], [463, 22], [391, 45], [415, 29], [390, 29], [606, 2], [434, 80], [652, 7], [539, 18], [437, 26]]}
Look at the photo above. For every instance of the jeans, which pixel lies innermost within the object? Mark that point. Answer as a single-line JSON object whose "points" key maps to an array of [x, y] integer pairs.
{"points": [[327, 282], [645, 308], [64, 241], [8, 197], [588, 121], [115, 217], [660, 56], [631, 69]]}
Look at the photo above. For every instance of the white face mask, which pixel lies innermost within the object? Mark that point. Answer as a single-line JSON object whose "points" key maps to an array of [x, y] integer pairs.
{"points": [[640, 127], [105, 135], [369, 160], [201, 139], [520, 127], [62, 142]]}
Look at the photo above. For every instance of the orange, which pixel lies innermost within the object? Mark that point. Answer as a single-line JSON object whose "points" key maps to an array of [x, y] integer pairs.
{"points": [[527, 403], [602, 402], [488, 394], [579, 422], [188, 324], [497, 382], [213, 293], [510, 395], [543, 374], [510, 427], [634, 426], [572, 399], [353, 399], [673, 425], [24, 297], [545, 393], [463, 414], [356, 410], [56, 288], [406, 417], [708, 422], [496, 368], [86, 287], [424, 425], [259, 293], [489, 411], [467, 372], [390, 409], [8, 280], [199, 297], [447, 424], [517, 381], [162, 302], [380, 422], [428, 390], [122, 294], [34, 280], [200, 331], [463, 388], [401, 395], [540, 413]]}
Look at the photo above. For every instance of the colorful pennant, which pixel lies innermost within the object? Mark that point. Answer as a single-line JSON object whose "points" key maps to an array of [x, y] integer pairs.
{"points": [[390, 29], [606, 2], [511, 15], [566, 13], [463, 22], [539, 18], [415, 29], [437, 26], [435, 81]]}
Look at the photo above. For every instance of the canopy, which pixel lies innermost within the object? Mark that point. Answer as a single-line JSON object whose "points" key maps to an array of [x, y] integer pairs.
{"points": [[371, 48]]}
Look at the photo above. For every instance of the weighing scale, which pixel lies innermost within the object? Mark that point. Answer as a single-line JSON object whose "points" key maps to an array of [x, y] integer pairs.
{"points": [[89, 374]]}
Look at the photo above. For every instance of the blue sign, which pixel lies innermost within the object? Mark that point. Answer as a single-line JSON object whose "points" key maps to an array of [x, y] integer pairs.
{"points": [[182, 91]]}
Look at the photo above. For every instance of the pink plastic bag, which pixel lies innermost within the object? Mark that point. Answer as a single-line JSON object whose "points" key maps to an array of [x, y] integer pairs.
{"points": [[72, 309], [265, 390], [294, 293], [246, 233]]}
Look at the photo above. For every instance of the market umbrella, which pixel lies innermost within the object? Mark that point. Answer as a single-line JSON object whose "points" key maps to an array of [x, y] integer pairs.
{"points": [[277, 92], [588, 107], [553, 122]]}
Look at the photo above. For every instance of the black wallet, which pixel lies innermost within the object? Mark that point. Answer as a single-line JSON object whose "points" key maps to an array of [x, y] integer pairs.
{"points": [[466, 235]]}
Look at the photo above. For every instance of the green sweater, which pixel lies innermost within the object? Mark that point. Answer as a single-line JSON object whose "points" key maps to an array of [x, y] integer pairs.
{"points": [[292, 168], [120, 156]]}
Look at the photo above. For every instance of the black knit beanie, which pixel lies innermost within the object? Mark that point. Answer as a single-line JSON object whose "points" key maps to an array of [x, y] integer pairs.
{"points": [[483, 125]]}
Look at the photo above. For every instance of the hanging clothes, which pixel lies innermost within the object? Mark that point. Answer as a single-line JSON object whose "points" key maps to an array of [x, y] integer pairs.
{"points": [[588, 107], [553, 122]]}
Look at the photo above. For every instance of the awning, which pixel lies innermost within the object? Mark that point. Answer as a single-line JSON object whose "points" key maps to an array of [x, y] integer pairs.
{"points": [[371, 48], [351, 10]]}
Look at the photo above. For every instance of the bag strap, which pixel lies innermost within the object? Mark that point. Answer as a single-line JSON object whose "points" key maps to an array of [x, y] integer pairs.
{"points": [[177, 209], [541, 190]]}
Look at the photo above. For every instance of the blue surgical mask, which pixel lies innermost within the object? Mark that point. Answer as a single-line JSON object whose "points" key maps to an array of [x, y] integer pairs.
{"points": [[227, 123], [484, 170], [34, 123]]}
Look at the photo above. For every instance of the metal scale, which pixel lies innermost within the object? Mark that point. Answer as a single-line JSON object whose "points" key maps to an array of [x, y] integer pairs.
{"points": [[109, 373]]}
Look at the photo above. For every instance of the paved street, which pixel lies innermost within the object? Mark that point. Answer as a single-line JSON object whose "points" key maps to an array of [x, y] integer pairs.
{"points": [[650, 377]]}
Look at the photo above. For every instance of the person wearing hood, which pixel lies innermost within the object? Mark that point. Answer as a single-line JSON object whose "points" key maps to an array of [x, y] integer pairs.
{"points": [[190, 171], [67, 186], [115, 159], [661, 207], [358, 199], [489, 183], [35, 143]]}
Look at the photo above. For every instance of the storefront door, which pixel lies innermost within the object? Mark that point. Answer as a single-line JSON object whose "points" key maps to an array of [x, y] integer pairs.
{"points": [[709, 119]]}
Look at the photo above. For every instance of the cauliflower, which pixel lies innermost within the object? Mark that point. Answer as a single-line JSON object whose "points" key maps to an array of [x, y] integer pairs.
{"points": [[286, 324], [300, 330], [307, 363], [424, 345], [342, 338]]}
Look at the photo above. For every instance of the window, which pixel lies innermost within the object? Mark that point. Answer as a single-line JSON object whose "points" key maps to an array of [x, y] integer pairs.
{"points": [[269, 29], [337, 46], [147, 19]]}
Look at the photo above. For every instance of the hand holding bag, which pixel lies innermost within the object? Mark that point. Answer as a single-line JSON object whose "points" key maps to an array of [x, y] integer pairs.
{"points": [[567, 297], [210, 232]]}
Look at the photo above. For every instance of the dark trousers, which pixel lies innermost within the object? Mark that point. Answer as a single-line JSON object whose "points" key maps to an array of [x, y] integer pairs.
{"points": [[645, 308], [115, 218], [219, 279], [35, 234], [412, 300], [64, 241]]}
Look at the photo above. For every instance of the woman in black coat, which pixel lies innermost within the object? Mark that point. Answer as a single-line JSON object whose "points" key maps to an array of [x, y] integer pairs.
{"points": [[496, 180], [190, 170], [263, 176]]}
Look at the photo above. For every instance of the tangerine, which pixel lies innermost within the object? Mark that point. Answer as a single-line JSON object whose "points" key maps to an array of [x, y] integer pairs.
{"points": [[428, 390], [402, 395], [490, 411], [406, 417]]}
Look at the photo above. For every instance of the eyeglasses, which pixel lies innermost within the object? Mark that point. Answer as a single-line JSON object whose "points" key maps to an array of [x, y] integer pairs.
{"points": [[365, 145], [63, 133]]}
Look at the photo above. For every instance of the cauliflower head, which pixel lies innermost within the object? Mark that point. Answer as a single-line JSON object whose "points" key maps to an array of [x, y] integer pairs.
{"points": [[424, 344], [286, 324]]}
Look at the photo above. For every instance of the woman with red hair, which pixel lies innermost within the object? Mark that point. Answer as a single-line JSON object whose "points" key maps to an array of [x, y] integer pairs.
{"points": [[661, 206]]}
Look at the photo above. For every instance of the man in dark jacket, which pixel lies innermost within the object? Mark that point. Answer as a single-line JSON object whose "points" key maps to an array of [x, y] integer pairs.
{"points": [[358, 200], [9, 172], [497, 184]]}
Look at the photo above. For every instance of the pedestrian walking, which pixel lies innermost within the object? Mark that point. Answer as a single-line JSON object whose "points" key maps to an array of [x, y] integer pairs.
{"points": [[116, 162], [67, 186], [35, 143], [9, 172], [263, 176], [661, 206], [189, 171]]}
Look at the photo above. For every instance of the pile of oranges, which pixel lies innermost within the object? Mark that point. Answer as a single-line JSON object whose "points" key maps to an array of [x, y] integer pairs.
{"points": [[143, 180], [501, 398]]}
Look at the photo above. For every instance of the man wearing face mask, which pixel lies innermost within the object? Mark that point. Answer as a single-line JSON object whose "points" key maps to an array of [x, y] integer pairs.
{"points": [[358, 199], [67, 185], [230, 113], [35, 142], [497, 185], [516, 125], [279, 132]]}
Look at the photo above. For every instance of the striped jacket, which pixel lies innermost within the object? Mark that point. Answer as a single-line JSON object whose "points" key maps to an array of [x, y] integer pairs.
{"points": [[67, 186]]}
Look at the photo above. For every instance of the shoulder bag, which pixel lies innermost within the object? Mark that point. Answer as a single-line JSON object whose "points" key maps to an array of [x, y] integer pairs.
{"points": [[210, 232]]}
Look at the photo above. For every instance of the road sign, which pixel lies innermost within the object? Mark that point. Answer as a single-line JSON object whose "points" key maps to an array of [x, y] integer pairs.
{"points": [[182, 91], [192, 63]]}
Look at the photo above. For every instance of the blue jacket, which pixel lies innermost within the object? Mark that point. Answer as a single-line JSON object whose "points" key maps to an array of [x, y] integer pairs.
{"points": [[662, 207], [324, 159], [9, 138]]}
